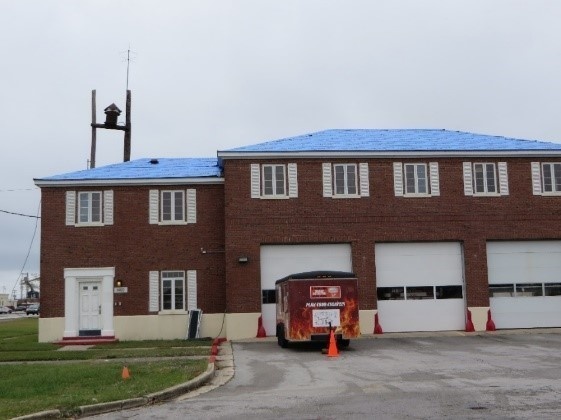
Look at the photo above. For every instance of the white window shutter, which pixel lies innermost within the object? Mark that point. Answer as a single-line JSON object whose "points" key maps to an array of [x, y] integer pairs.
{"points": [[153, 205], [191, 205], [434, 179], [503, 178], [70, 208], [154, 291], [327, 186], [398, 179], [292, 180], [468, 179], [191, 289], [536, 178], [108, 207], [255, 180], [364, 181]]}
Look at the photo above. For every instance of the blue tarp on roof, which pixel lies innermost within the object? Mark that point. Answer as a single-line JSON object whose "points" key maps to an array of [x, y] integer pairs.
{"points": [[143, 168], [398, 140]]}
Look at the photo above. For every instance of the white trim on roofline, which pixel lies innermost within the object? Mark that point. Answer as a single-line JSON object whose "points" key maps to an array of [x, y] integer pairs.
{"points": [[124, 182], [386, 154]]}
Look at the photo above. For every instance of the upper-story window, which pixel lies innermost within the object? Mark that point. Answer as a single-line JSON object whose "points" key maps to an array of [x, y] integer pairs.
{"points": [[270, 181], [172, 207], [485, 178], [89, 208], [274, 180], [546, 178], [345, 180], [416, 179]]}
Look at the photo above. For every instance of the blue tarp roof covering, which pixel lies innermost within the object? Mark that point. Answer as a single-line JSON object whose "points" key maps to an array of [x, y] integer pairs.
{"points": [[143, 168], [399, 140]]}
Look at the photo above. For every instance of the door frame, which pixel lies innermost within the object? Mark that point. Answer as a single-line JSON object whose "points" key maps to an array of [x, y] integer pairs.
{"points": [[72, 279]]}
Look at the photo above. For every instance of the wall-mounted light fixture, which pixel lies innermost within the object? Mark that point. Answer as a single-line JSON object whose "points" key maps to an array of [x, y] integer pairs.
{"points": [[118, 283], [243, 260]]}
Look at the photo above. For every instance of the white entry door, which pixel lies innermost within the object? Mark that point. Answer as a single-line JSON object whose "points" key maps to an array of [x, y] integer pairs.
{"points": [[278, 261], [90, 306]]}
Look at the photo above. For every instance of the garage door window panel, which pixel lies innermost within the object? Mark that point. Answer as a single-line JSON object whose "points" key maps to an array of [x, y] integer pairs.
{"points": [[390, 293], [529, 290], [449, 292], [552, 289], [501, 290], [268, 296], [419, 292]]}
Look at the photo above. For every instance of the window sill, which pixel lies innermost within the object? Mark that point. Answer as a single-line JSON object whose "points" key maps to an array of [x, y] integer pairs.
{"points": [[551, 194], [89, 224], [173, 312], [486, 195], [417, 195], [337, 196], [174, 223], [274, 197]]}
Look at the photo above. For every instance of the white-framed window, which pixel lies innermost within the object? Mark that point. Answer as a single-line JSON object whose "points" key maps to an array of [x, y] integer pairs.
{"points": [[345, 180], [272, 181], [416, 179], [172, 291], [172, 207], [546, 178], [89, 208], [485, 178]]}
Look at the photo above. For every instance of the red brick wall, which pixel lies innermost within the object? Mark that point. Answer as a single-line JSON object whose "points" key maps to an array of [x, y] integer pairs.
{"points": [[382, 217], [134, 247]]}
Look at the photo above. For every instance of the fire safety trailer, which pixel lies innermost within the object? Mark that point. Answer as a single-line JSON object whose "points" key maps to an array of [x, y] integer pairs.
{"points": [[308, 304]]}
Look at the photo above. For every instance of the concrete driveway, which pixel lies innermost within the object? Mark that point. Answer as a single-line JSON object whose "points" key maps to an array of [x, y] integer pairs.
{"points": [[411, 376]]}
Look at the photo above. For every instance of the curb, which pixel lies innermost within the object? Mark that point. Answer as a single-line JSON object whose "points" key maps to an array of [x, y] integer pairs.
{"points": [[164, 395]]}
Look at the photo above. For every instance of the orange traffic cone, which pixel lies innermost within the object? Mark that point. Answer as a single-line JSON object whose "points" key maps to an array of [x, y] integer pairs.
{"points": [[332, 351], [125, 374]]}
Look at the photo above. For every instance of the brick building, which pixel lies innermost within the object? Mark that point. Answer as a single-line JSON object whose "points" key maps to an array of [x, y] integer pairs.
{"points": [[437, 225]]}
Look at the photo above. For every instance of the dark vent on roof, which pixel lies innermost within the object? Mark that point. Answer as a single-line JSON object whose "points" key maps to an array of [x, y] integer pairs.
{"points": [[154, 161]]}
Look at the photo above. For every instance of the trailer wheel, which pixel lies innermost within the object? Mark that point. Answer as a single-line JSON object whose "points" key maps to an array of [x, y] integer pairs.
{"points": [[343, 344], [282, 341]]}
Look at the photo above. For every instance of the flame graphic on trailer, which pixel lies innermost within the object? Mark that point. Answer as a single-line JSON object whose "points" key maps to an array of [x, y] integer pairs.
{"points": [[308, 303]]}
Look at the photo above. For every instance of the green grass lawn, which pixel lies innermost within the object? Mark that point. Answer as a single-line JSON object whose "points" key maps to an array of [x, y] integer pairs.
{"points": [[87, 377]]}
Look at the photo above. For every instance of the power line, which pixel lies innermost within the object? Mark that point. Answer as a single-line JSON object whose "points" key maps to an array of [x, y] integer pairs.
{"points": [[18, 189], [20, 214]]}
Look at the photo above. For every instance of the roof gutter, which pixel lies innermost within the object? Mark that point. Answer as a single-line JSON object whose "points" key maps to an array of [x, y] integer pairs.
{"points": [[125, 182]]}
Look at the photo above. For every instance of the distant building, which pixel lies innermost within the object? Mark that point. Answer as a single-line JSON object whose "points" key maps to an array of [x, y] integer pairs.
{"points": [[440, 227]]}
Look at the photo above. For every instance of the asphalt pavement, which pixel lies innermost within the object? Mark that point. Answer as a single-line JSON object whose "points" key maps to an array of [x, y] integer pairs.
{"points": [[504, 375]]}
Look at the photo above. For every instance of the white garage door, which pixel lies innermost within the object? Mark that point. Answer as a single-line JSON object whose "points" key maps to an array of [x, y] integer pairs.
{"points": [[278, 261], [420, 286], [525, 283]]}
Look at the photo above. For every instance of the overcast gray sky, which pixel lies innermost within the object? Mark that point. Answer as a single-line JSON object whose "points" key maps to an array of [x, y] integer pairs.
{"points": [[212, 75]]}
